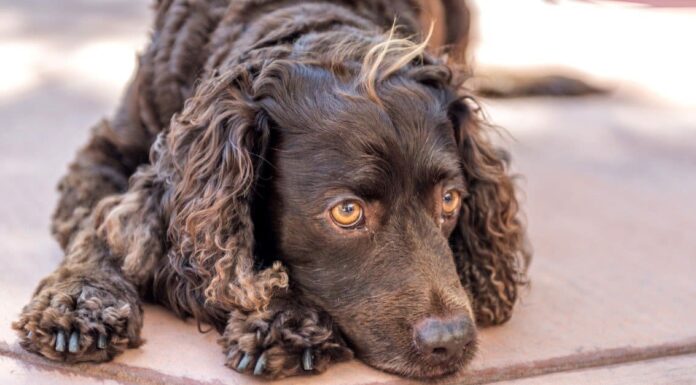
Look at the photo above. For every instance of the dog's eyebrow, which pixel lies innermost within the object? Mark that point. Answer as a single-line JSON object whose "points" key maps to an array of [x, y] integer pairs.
{"points": [[369, 180], [438, 163], [376, 176], [442, 173]]}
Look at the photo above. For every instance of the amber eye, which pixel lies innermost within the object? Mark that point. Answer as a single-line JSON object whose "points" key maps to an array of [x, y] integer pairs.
{"points": [[347, 213], [450, 202]]}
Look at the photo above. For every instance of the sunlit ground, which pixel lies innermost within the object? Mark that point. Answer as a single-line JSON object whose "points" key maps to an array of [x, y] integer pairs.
{"points": [[86, 46], [634, 48]]}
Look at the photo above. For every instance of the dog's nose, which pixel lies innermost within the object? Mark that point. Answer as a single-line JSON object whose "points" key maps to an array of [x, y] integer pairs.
{"points": [[443, 338]]}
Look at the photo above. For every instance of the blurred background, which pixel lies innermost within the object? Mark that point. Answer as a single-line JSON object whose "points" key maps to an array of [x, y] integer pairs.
{"points": [[608, 185]]}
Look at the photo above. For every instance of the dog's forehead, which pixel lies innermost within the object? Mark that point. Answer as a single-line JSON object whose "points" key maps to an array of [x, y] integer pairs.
{"points": [[318, 105], [351, 141], [314, 100]]}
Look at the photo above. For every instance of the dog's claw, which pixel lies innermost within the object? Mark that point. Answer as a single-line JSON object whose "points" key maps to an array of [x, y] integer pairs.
{"points": [[307, 360], [30, 334], [60, 341], [260, 365], [101, 341], [244, 362], [74, 342]]}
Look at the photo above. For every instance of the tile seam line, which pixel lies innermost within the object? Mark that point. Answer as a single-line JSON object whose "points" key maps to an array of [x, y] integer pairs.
{"points": [[606, 358], [128, 374], [568, 363], [113, 371]]}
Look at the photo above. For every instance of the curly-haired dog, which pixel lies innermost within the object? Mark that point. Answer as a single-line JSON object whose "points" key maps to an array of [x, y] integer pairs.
{"points": [[287, 172]]}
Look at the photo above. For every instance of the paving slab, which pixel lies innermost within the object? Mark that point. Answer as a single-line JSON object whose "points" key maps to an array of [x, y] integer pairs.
{"points": [[17, 372], [609, 195], [610, 211], [671, 371]]}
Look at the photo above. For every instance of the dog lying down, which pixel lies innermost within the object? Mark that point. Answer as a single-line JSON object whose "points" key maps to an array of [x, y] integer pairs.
{"points": [[312, 186]]}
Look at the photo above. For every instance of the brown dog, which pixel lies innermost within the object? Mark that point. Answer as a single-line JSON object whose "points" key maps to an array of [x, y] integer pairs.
{"points": [[285, 171]]}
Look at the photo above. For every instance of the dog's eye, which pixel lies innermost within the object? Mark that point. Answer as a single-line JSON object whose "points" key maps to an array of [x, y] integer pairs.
{"points": [[450, 202], [347, 213]]}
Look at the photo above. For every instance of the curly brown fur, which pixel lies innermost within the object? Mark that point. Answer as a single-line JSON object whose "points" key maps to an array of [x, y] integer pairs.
{"points": [[210, 188], [489, 226], [282, 334], [86, 299]]}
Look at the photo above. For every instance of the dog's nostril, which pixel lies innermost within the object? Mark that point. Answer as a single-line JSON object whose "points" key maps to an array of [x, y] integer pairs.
{"points": [[440, 351], [443, 338]]}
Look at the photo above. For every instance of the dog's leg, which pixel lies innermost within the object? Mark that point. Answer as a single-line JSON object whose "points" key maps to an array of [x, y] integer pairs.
{"points": [[86, 310], [89, 308], [165, 75], [288, 338], [114, 151]]}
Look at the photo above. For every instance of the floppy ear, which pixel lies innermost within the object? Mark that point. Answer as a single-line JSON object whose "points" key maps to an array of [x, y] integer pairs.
{"points": [[489, 241], [210, 160]]}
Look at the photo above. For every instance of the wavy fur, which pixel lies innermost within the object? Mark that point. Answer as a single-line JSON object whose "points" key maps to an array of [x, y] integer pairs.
{"points": [[185, 196]]}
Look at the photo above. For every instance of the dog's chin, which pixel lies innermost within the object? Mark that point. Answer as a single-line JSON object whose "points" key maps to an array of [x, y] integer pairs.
{"points": [[415, 367]]}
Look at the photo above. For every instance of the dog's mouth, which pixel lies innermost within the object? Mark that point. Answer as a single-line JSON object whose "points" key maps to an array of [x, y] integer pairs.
{"points": [[414, 366], [448, 368]]}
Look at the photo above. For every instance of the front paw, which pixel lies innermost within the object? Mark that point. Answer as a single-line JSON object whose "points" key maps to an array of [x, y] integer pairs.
{"points": [[76, 321], [282, 343]]}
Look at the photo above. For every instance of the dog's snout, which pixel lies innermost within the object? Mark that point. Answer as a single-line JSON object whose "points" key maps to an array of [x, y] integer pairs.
{"points": [[444, 338]]}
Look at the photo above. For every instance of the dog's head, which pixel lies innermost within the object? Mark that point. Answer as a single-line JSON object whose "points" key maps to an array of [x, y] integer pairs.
{"points": [[367, 174]]}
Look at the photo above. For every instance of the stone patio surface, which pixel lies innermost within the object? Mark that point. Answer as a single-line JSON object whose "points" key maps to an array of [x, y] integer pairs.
{"points": [[609, 192]]}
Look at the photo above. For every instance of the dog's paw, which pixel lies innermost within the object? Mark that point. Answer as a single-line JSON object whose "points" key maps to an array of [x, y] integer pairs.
{"points": [[76, 321], [281, 344]]}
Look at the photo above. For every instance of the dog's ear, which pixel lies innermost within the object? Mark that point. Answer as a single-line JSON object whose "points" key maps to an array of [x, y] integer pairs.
{"points": [[489, 242], [213, 155]]}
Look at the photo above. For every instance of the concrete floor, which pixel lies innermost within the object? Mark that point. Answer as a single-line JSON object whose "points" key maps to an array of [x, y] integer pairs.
{"points": [[609, 188]]}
